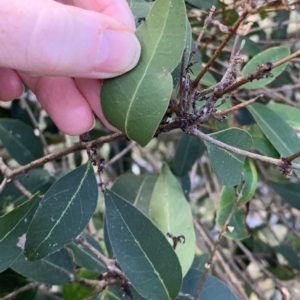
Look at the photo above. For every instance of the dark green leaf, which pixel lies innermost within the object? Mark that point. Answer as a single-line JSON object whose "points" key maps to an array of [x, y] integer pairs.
{"points": [[20, 141], [85, 258], [289, 192], [213, 288], [261, 143], [142, 251], [227, 165], [136, 190], [289, 254], [141, 96], [279, 133], [37, 180], [188, 150], [64, 212], [170, 212], [202, 4], [270, 55], [12, 226], [11, 281], [56, 269], [115, 293], [288, 113]]}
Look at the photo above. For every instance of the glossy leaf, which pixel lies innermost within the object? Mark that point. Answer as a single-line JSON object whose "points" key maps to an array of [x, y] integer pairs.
{"points": [[170, 212], [12, 226], [85, 258], [136, 190], [228, 198], [56, 269], [289, 192], [261, 143], [279, 133], [37, 180], [188, 150], [227, 165], [288, 113], [63, 213], [136, 102], [270, 55], [20, 141], [213, 288], [142, 251]]}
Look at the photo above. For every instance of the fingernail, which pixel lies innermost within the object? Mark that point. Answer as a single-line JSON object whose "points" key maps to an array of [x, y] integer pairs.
{"points": [[118, 52]]}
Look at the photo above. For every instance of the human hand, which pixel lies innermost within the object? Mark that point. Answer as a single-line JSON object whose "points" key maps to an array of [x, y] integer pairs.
{"points": [[78, 40]]}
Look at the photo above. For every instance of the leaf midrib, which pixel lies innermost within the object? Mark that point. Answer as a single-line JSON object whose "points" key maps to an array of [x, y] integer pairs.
{"points": [[145, 72]]}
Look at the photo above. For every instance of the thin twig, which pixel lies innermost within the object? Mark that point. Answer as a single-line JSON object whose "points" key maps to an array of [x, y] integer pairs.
{"points": [[121, 154], [221, 46], [14, 294], [35, 123], [207, 21], [223, 258], [274, 161], [61, 153], [224, 228], [110, 264], [22, 188], [238, 106]]}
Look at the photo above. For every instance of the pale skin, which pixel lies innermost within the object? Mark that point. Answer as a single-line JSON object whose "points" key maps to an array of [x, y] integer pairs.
{"points": [[62, 50]]}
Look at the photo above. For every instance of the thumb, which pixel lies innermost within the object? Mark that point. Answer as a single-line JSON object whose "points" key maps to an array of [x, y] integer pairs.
{"points": [[51, 39]]}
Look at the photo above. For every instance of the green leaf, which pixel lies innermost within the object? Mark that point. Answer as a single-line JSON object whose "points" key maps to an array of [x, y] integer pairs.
{"points": [[227, 165], [289, 254], [76, 291], [140, 10], [142, 251], [188, 150], [288, 113], [227, 200], [136, 189], [37, 180], [261, 143], [56, 269], [213, 288], [136, 102], [115, 293], [202, 4], [20, 141], [279, 133], [251, 48], [289, 192], [12, 226], [170, 212], [63, 213], [85, 258], [270, 55]]}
